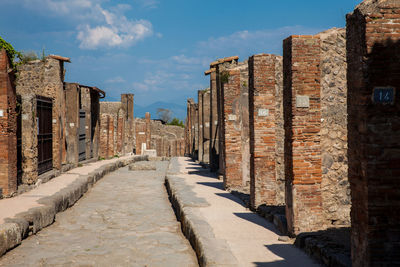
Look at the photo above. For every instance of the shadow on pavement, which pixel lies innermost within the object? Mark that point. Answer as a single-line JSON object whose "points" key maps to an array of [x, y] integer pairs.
{"points": [[231, 197], [257, 219], [217, 185], [284, 251]]}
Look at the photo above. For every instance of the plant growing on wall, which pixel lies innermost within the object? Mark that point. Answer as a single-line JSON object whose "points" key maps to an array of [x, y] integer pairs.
{"points": [[11, 52], [176, 122]]}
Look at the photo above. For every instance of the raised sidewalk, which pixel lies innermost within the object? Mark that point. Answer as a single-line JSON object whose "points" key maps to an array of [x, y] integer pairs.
{"points": [[29, 212], [221, 230]]}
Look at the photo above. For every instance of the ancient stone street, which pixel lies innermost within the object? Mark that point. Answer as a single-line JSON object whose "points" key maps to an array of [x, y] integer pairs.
{"points": [[124, 220]]}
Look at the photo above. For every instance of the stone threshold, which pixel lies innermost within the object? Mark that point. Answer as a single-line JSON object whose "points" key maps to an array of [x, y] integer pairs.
{"points": [[31, 221]]}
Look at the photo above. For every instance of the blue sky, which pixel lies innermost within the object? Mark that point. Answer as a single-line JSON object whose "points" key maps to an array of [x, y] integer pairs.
{"points": [[159, 49]]}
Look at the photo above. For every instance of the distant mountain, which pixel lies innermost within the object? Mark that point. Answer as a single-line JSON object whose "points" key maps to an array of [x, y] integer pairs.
{"points": [[178, 111]]}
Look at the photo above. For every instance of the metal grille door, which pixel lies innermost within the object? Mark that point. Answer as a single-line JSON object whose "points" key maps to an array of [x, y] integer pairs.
{"points": [[45, 133], [82, 135]]}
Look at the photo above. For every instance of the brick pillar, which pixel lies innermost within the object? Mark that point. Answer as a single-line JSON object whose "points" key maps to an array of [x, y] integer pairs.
{"points": [[214, 131], [234, 126], [373, 56], [148, 130], [206, 126], [72, 121], [104, 121], [266, 130], [140, 128], [200, 124], [302, 114], [221, 65], [111, 137], [8, 128], [127, 106], [121, 134]]}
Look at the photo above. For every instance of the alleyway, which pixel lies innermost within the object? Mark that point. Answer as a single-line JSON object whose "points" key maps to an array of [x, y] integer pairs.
{"points": [[251, 239], [124, 220]]}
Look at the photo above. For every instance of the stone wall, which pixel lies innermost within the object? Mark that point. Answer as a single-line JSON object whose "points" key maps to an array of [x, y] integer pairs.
{"points": [[373, 56], [8, 128], [72, 122], [42, 78], [167, 140], [266, 131], [335, 187], [123, 139], [140, 128], [129, 138]]}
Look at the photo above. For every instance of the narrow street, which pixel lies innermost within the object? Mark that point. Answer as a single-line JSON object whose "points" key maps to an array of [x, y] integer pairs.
{"points": [[125, 220]]}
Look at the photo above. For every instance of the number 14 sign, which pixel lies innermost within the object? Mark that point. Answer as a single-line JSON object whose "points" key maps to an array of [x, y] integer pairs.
{"points": [[384, 95]]}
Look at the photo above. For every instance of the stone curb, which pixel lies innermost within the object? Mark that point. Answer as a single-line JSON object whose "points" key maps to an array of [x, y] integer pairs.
{"points": [[15, 229], [209, 250]]}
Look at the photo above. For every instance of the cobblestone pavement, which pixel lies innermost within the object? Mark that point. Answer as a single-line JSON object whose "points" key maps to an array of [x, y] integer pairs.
{"points": [[124, 220]]}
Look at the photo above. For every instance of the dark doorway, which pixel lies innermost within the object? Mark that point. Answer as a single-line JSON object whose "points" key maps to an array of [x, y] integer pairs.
{"points": [[82, 135], [45, 133]]}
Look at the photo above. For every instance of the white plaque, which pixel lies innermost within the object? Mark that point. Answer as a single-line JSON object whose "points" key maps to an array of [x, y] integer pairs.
{"points": [[104, 131], [302, 101], [54, 121], [231, 117], [142, 133], [207, 124], [1, 113], [201, 126], [263, 112], [215, 122], [72, 124], [86, 127]]}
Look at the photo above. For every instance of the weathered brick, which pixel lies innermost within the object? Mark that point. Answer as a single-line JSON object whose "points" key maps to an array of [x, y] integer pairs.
{"points": [[266, 130], [373, 56], [8, 128]]}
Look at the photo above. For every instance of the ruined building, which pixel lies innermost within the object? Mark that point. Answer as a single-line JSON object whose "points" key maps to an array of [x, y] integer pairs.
{"points": [[117, 127]]}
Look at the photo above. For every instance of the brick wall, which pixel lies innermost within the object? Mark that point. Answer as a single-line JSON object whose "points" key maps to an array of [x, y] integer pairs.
{"points": [[235, 139], [373, 55], [266, 130], [8, 128], [316, 131], [206, 126], [214, 130], [302, 114], [221, 65], [200, 125]]}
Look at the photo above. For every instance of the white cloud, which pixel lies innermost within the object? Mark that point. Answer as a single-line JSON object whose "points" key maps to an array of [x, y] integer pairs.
{"points": [[251, 42], [154, 81], [117, 79], [148, 3], [97, 27]]}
